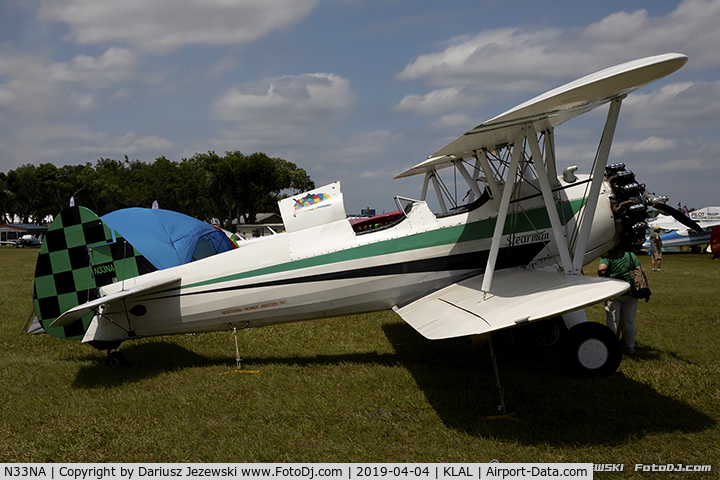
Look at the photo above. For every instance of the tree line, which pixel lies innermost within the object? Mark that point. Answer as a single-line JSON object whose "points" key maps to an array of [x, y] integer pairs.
{"points": [[205, 186]]}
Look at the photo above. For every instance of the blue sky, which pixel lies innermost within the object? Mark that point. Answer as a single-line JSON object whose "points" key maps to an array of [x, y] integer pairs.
{"points": [[350, 90]]}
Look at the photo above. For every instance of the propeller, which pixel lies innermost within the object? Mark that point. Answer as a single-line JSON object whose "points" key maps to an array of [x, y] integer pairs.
{"points": [[679, 216]]}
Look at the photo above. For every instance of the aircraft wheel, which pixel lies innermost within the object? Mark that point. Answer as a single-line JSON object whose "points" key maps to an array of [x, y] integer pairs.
{"points": [[546, 333], [592, 349], [116, 360]]}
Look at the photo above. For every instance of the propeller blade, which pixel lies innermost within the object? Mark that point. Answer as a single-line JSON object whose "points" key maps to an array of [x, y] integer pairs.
{"points": [[679, 216]]}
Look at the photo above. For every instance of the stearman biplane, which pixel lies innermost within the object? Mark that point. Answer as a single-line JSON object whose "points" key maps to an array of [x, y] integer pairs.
{"points": [[512, 254]]}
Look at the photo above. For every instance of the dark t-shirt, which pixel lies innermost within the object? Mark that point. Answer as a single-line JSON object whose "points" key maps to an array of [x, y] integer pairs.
{"points": [[620, 268]]}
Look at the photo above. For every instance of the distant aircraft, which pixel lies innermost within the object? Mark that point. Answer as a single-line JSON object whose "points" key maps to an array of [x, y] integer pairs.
{"points": [[24, 241], [693, 230], [511, 255]]}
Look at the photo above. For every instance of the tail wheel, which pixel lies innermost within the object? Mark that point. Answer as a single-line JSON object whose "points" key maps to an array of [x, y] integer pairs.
{"points": [[592, 349], [116, 360]]}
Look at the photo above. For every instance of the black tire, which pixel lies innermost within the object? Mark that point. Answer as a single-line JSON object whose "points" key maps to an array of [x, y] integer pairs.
{"points": [[592, 349], [116, 360], [547, 333]]}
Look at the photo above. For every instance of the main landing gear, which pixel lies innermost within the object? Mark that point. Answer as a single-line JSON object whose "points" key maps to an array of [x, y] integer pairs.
{"points": [[591, 349], [585, 348]]}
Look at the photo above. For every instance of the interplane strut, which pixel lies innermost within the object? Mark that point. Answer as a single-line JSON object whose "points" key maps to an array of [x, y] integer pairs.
{"points": [[571, 259]]}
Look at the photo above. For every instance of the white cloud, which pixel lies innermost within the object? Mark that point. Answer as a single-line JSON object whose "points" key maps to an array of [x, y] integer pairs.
{"points": [[83, 102], [369, 148], [163, 25], [455, 121], [675, 108], [493, 59], [31, 95], [119, 95], [115, 65], [304, 104], [292, 117], [435, 102], [691, 28], [13, 61], [132, 144], [661, 131], [43, 106], [525, 58], [684, 166], [74, 142], [653, 144], [35, 88]]}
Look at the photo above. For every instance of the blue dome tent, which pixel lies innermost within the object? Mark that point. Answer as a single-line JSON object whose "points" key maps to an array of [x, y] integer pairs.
{"points": [[165, 238]]}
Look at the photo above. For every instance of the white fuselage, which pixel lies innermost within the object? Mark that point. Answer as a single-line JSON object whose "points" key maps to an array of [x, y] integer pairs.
{"points": [[327, 269]]}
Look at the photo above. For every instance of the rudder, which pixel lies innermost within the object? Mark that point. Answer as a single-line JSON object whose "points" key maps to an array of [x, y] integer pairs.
{"points": [[78, 255]]}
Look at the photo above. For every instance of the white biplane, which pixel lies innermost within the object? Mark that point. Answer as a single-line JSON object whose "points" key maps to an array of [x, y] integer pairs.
{"points": [[512, 254]]}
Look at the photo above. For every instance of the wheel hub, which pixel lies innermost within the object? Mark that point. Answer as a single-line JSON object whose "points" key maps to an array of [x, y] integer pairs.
{"points": [[592, 353]]}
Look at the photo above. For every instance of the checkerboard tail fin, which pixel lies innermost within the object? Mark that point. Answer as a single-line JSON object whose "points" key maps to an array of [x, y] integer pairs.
{"points": [[80, 254]]}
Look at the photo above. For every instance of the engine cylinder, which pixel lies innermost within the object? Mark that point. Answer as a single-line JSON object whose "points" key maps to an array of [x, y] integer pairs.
{"points": [[629, 206]]}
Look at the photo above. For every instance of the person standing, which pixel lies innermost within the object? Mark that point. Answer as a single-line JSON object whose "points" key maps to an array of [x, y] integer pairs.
{"points": [[655, 248], [620, 312]]}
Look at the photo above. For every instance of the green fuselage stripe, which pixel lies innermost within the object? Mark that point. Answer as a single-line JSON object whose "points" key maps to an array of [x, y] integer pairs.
{"points": [[531, 220]]}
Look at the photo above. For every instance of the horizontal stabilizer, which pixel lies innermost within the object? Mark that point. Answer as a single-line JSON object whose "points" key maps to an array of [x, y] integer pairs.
{"points": [[517, 296], [157, 280]]}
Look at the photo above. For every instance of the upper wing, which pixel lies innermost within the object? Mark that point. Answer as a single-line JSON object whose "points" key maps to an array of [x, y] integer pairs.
{"points": [[141, 285], [518, 296], [555, 107]]}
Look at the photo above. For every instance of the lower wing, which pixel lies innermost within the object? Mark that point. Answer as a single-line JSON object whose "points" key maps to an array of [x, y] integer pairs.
{"points": [[518, 296]]}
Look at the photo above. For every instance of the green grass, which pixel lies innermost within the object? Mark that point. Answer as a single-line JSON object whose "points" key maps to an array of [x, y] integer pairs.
{"points": [[366, 389]]}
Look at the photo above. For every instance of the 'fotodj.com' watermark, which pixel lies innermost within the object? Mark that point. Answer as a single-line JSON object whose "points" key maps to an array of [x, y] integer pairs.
{"points": [[641, 467], [671, 467]]}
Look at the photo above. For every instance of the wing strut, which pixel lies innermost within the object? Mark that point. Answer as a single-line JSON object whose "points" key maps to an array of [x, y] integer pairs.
{"points": [[485, 164], [597, 178], [550, 157], [549, 199], [470, 181], [438, 191], [426, 183], [571, 264], [503, 210]]}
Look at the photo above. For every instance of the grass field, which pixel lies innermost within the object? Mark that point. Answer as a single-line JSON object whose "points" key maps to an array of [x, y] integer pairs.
{"points": [[367, 389]]}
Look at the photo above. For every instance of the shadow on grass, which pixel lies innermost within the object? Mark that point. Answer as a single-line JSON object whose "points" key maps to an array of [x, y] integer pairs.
{"points": [[458, 380], [545, 404], [646, 352], [152, 359], [145, 360]]}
